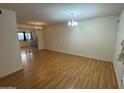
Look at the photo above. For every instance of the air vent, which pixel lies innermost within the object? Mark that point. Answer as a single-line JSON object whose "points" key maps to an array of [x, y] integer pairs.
{"points": [[0, 11]]}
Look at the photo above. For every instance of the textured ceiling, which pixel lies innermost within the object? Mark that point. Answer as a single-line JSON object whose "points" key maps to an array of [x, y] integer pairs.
{"points": [[59, 13]]}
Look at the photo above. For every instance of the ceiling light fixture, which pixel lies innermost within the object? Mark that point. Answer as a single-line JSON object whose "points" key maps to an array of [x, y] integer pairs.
{"points": [[37, 26], [72, 22]]}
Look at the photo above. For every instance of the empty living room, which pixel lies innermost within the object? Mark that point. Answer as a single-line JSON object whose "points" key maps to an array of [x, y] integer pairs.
{"points": [[62, 45]]}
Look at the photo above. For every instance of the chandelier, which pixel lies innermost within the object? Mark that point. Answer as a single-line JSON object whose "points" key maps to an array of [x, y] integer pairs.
{"points": [[72, 22], [37, 25]]}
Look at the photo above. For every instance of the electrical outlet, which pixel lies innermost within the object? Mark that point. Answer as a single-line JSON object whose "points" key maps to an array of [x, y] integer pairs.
{"points": [[122, 80]]}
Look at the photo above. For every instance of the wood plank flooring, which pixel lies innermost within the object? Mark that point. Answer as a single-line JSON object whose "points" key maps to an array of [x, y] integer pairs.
{"points": [[48, 69]]}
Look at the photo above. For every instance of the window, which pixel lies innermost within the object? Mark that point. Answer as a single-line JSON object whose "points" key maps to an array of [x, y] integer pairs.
{"points": [[21, 36], [24, 36], [28, 36]]}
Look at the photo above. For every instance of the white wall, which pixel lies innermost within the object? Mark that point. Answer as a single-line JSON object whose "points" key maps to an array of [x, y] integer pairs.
{"points": [[10, 56], [119, 68], [93, 38]]}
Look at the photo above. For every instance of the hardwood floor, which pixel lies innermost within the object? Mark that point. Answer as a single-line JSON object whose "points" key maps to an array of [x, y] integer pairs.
{"points": [[48, 69]]}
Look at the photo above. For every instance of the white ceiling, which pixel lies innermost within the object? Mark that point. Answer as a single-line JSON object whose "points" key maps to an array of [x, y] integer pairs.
{"points": [[59, 13]]}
